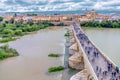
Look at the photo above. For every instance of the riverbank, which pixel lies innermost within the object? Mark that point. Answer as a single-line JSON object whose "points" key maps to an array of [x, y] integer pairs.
{"points": [[103, 24], [10, 30], [99, 28]]}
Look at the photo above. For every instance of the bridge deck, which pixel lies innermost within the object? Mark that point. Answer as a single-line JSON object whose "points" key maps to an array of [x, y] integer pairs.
{"points": [[102, 66]]}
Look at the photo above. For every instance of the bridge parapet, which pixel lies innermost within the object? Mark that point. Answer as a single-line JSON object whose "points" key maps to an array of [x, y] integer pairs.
{"points": [[99, 66]]}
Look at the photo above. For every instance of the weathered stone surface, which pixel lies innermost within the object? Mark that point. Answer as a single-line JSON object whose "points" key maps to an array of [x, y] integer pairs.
{"points": [[72, 40], [71, 36], [82, 75], [71, 32], [76, 57], [73, 48], [76, 61]]}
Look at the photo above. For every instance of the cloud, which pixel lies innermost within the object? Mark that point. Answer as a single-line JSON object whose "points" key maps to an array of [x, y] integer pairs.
{"points": [[107, 5], [57, 5]]}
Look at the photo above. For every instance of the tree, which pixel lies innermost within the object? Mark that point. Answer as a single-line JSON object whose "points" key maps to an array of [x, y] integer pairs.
{"points": [[115, 25], [6, 22], [1, 19], [12, 20], [18, 32], [30, 22], [4, 25], [8, 32]]}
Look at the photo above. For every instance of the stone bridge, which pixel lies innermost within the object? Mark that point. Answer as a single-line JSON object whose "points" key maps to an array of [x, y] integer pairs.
{"points": [[91, 62]]}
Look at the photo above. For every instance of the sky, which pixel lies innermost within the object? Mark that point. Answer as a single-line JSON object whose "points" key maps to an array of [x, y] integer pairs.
{"points": [[58, 5]]}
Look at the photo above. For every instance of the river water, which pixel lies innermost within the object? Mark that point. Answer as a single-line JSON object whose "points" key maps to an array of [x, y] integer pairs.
{"points": [[107, 40], [33, 62]]}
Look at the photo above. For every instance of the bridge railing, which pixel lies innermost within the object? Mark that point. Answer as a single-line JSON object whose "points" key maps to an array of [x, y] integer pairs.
{"points": [[87, 62]]}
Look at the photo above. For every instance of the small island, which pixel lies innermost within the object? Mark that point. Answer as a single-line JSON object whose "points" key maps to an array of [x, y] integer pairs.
{"points": [[6, 51], [53, 55], [55, 69]]}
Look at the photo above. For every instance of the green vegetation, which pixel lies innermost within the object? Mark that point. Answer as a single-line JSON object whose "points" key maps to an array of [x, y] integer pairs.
{"points": [[53, 55], [6, 51], [11, 29], [6, 39], [18, 32], [103, 24], [67, 34], [1, 19], [55, 69]]}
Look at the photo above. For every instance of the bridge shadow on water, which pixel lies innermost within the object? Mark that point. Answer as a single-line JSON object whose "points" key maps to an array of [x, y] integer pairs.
{"points": [[67, 73]]}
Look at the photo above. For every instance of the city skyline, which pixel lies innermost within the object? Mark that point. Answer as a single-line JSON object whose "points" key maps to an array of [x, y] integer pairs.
{"points": [[55, 5]]}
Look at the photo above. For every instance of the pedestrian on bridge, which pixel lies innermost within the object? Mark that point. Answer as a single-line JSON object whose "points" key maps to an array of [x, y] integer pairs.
{"points": [[97, 68], [117, 69]]}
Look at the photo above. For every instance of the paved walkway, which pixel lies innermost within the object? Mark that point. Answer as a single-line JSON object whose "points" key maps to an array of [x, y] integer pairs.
{"points": [[103, 68]]}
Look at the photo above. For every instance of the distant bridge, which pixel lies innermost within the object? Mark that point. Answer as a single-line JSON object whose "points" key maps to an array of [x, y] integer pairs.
{"points": [[94, 65]]}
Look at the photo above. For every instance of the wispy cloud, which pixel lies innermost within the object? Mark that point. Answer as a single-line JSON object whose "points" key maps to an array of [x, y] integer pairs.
{"points": [[57, 5]]}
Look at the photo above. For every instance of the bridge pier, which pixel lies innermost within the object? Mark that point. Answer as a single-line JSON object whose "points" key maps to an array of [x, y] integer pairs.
{"points": [[76, 61], [76, 58], [82, 75]]}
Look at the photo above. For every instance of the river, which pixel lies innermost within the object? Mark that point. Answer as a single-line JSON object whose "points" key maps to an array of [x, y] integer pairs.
{"points": [[33, 62], [107, 40]]}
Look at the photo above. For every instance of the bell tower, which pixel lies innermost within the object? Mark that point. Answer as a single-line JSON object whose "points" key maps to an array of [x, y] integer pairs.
{"points": [[86, 11]]}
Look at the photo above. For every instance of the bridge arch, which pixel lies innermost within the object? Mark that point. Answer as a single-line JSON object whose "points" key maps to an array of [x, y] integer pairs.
{"points": [[90, 77]]}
